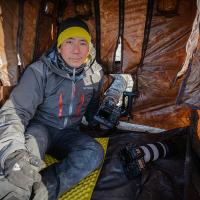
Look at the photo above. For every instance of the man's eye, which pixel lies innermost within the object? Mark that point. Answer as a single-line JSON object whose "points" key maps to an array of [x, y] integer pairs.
{"points": [[83, 43], [68, 42]]}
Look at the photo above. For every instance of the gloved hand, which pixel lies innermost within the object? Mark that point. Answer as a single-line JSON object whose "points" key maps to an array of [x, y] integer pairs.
{"points": [[22, 169]]}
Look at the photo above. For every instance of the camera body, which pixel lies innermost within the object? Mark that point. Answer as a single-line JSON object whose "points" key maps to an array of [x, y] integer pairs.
{"points": [[135, 158], [117, 102], [108, 114], [132, 158]]}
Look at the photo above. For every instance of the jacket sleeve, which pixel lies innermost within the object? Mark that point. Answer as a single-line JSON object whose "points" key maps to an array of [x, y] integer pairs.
{"points": [[16, 113]]}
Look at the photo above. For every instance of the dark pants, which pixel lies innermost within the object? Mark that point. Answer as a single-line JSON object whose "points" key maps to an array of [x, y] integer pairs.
{"points": [[79, 154]]}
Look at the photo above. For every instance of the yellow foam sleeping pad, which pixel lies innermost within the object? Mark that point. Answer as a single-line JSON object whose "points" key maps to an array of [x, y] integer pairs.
{"points": [[83, 190]]}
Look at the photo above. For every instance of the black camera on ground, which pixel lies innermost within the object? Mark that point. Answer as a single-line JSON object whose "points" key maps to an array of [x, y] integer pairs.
{"points": [[134, 158]]}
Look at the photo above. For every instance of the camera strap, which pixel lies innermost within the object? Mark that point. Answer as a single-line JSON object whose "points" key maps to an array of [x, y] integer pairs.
{"points": [[19, 34]]}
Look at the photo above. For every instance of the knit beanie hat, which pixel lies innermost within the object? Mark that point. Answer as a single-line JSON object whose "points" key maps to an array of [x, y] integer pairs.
{"points": [[73, 27]]}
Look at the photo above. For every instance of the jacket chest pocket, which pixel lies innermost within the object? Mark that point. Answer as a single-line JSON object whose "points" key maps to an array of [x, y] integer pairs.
{"points": [[56, 104], [82, 101]]}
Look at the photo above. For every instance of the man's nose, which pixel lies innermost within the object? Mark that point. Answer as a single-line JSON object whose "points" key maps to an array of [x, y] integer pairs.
{"points": [[76, 48]]}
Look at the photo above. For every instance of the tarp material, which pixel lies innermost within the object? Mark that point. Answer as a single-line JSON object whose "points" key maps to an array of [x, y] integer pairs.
{"points": [[156, 105], [134, 23], [190, 89], [192, 41], [46, 28], [31, 14], [8, 52]]}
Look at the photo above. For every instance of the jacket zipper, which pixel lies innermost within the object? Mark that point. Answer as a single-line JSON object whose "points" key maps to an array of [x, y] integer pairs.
{"points": [[72, 97]]}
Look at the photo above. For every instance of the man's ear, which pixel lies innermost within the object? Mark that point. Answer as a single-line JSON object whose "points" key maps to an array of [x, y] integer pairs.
{"points": [[58, 49]]}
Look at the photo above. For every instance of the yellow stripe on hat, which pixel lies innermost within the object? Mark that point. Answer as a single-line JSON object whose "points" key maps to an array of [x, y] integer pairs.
{"points": [[73, 32]]}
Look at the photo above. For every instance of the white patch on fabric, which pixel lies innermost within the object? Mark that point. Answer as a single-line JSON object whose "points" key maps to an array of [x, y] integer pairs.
{"points": [[16, 167], [87, 81], [96, 77], [89, 72], [96, 67], [87, 87]]}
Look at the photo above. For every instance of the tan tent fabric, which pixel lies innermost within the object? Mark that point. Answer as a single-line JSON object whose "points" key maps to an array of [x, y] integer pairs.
{"points": [[8, 30], [189, 91], [46, 28], [192, 41], [4, 93], [135, 16], [31, 11], [156, 104]]}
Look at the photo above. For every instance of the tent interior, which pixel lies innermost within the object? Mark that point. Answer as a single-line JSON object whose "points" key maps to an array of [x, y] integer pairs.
{"points": [[157, 43]]}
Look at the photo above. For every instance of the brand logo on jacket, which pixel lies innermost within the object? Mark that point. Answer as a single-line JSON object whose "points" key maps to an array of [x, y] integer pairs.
{"points": [[87, 87]]}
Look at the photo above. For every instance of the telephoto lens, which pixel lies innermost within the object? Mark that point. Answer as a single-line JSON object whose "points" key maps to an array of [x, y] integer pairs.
{"points": [[155, 151], [134, 158]]}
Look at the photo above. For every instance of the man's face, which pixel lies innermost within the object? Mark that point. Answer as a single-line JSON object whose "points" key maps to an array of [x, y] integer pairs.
{"points": [[74, 51]]}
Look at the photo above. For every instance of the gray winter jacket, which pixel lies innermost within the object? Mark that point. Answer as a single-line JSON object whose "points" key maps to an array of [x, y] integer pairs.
{"points": [[53, 94], [48, 93]]}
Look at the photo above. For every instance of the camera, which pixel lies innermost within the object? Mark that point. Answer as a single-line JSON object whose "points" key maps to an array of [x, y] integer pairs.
{"points": [[134, 158], [108, 114]]}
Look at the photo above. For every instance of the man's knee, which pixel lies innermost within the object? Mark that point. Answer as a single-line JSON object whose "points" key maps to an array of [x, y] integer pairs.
{"points": [[37, 139], [88, 157], [97, 155]]}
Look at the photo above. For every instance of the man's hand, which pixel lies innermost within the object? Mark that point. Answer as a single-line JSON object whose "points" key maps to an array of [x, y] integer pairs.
{"points": [[22, 169]]}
